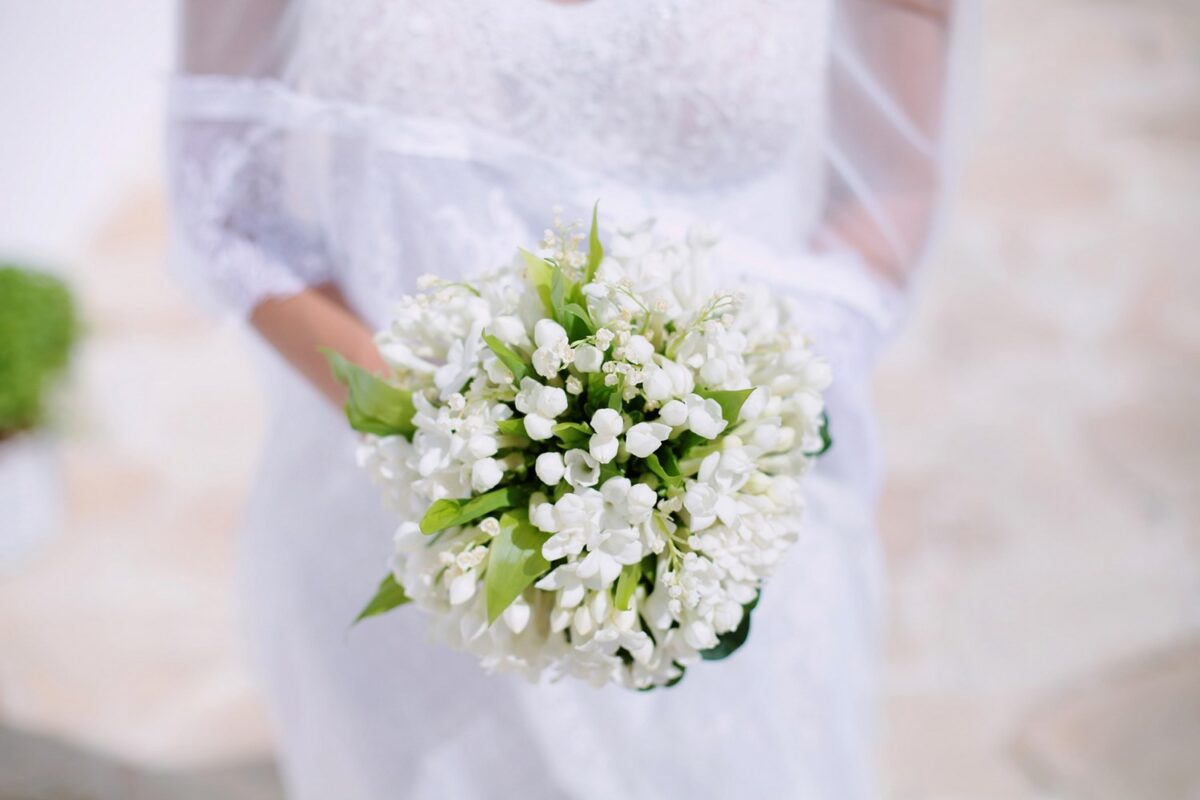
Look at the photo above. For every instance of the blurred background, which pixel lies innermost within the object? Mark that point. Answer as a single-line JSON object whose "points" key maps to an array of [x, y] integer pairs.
{"points": [[1041, 416]]}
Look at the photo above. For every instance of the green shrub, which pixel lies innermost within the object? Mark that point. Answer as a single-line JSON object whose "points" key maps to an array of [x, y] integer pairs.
{"points": [[37, 328]]}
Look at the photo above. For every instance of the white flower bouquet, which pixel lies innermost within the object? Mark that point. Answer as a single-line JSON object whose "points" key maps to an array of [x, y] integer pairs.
{"points": [[595, 457]]}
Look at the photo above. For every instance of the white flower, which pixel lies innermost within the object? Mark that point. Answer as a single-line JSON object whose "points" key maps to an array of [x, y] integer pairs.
{"points": [[704, 416], [548, 333], [608, 552], [588, 358], [546, 362], [638, 349], [604, 338], [509, 330], [566, 581], [607, 425], [645, 437], [674, 413], [485, 473], [550, 468], [581, 468], [540, 404]]}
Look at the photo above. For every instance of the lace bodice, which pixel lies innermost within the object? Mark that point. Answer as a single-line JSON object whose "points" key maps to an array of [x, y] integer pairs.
{"points": [[368, 142], [676, 93]]}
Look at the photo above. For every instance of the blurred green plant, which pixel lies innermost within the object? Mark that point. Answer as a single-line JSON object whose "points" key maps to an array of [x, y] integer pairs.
{"points": [[38, 325]]}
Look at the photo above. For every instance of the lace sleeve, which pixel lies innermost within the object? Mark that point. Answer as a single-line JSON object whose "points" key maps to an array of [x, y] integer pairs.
{"points": [[238, 235]]}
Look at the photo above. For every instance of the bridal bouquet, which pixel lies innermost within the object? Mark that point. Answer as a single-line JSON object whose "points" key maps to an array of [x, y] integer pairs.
{"points": [[595, 456]]}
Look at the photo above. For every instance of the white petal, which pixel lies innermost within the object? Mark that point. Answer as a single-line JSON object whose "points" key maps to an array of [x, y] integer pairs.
{"points": [[603, 448], [547, 333], [674, 413], [550, 468], [539, 428]]}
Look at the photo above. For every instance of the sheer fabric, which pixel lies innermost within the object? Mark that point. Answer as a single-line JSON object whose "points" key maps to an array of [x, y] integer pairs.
{"points": [[367, 143]]}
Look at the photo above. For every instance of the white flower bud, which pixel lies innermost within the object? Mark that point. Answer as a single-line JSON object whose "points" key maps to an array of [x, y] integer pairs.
{"points": [[603, 448], [462, 588], [490, 526], [516, 616], [509, 330], [604, 338], [543, 518], [574, 385], [646, 437], [714, 371], [538, 428], [485, 474], [674, 413], [550, 468], [607, 422], [547, 333], [639, 350], [552, 401], [588, 358], [482, 445], [546, 362], [656, 384]]}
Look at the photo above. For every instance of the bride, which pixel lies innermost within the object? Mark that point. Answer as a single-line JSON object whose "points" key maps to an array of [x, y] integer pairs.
{"points": [[325, 153]]}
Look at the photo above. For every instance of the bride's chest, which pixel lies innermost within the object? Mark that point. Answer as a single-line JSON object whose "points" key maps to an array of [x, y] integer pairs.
{"points": [[702, 90]]}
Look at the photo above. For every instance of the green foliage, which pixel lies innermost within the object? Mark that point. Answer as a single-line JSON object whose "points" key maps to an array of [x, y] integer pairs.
{"points": [[38, 325], [389, 595], [453, 513], [373, 405], [516, 365], [595, 249], [514, 561]]}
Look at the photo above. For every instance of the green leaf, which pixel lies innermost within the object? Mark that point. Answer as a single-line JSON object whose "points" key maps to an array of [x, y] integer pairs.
{"points": [[558, 295], [826, 438], [514, 561], [510, 359], [573, 434], [389, 595], [729, 642], [449, 513], [595, 249], [616, 400], [578, 323], [511, 427], [373, 405], [668, 473], [730, 400], [541, 275], [597, 393], [626, 584]]}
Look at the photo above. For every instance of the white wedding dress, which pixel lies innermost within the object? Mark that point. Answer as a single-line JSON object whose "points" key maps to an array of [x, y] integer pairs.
{"points": [[366, 142]]}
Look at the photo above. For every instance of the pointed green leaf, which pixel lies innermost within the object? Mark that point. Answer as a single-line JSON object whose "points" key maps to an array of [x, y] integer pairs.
{"points": [[372, 405], [730, 400], [595, 249], [514, 561], [511, 427], [626, 583], [541, 275], [510, 359], [389, 595], [669, 477], [578, 323], [449, 513], [573, 434], [558, 295]]}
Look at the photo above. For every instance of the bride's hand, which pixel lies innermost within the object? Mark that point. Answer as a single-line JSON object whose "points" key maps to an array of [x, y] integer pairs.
{"points": [[300, 325]]}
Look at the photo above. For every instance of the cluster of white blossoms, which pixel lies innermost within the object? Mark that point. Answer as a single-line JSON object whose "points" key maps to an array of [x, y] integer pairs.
{"points": [[596, 456]]}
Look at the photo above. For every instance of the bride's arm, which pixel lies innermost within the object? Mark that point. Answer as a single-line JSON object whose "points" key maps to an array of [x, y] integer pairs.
{"points": [[299, 326], [887, 133]]}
